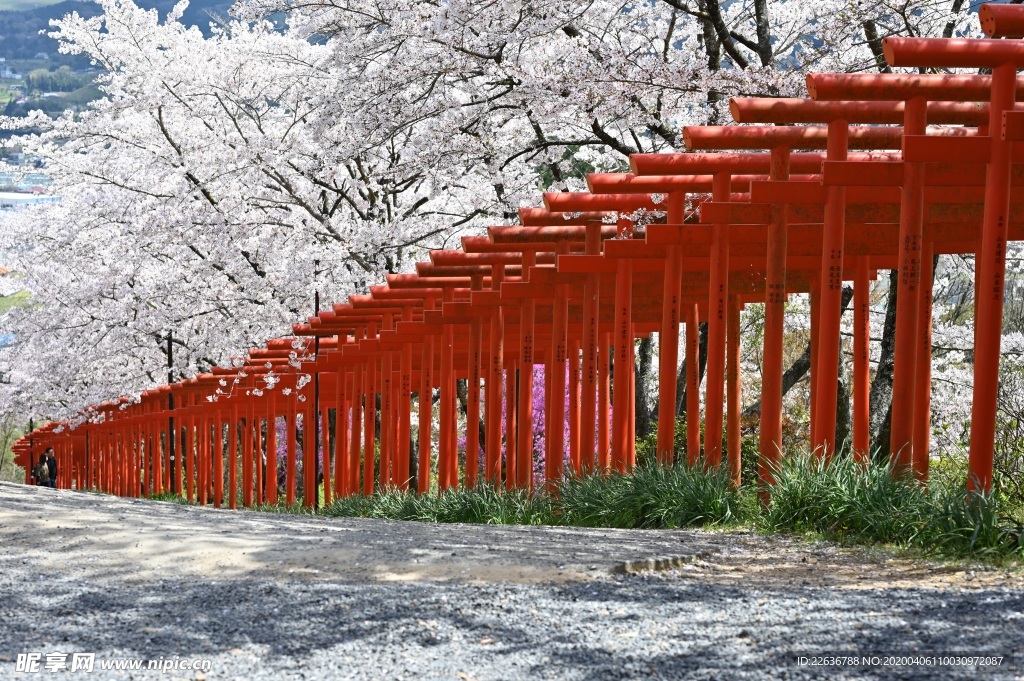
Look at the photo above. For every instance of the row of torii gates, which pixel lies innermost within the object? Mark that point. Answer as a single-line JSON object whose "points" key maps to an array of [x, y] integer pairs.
{"points": [[874, 171]]}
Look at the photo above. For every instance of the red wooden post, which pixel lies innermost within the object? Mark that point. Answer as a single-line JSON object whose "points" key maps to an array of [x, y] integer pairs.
{"points": [[218, 457], [341, 464], [291, 432], [386, 408], [923, 396], [831, 306], [604, 373], [325, 449], [369, 416], [203, 444], [908, 296], [718, 290], [576, 448], [473, 395], [524, 410], [233, 458], [590, 343], [733, 390], [494, 381], [815, 296], [770, 436], [512, 388], [247, 451], [668, 338], [447, 478], [425, 415], [991, 264], [270, 479], [557, 364], [861, 361], [623, 364], [405, 410]]}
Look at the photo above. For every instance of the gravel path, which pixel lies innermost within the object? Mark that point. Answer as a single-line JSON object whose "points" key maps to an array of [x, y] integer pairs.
{"points": [[266, 596]]}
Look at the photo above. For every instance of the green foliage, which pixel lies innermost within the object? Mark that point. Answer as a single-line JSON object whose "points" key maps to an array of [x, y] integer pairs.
{"points": [[170, 497], [647, 448], [483, 504], [83, 95], [11, 429], [847, 501], [282, 507], [19, 299], [652, 496], [842, 501], [61, 79], [750, 451], [963, 523]]}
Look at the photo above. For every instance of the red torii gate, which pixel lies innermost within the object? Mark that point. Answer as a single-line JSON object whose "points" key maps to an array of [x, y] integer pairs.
{"points": [[568, 284]]}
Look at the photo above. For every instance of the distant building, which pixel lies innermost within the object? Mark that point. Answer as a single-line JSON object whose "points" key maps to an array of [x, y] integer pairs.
{"points": [[16, 200], [16, 179]]}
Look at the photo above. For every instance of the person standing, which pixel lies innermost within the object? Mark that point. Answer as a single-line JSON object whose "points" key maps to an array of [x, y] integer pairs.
{"points": [[51, 462], [42, 472]]}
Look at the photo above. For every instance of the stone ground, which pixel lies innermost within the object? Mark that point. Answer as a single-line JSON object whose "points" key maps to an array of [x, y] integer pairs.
{"points": [[268, 596]]}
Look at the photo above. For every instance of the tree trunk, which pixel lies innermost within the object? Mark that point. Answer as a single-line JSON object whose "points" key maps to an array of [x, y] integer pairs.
{"points": [[881, 387], [645, 356], [844, 421], [702, 366]]}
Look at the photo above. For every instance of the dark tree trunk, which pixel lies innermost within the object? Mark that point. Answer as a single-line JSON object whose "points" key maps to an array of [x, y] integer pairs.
{"points": [[844, 422], [645, 356], [462, 394], [702, 351], [881, 387], [376, 415], [713, 49]]}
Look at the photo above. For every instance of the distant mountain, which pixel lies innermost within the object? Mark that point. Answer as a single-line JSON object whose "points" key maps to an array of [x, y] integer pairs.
{"points": [[20, 37]]}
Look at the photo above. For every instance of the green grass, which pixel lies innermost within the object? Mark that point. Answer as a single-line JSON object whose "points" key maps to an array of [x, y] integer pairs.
{"points": [[843, 501], [19, 299], [482, 505], [848, 502], [171, 497], [653, 496]]}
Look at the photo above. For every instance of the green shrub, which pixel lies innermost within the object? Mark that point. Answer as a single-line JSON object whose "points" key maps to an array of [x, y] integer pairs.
{"points": [[652, 496], [483, 504], [169, 496], [965, 523], [842, 500], [848, 501]]}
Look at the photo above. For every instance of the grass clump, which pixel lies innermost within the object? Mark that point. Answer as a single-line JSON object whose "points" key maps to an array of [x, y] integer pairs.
{"points": [[842, 500], [965, 523], [652, 496], [649, 497], [482, 504], [171, 497], [867, 504]]}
